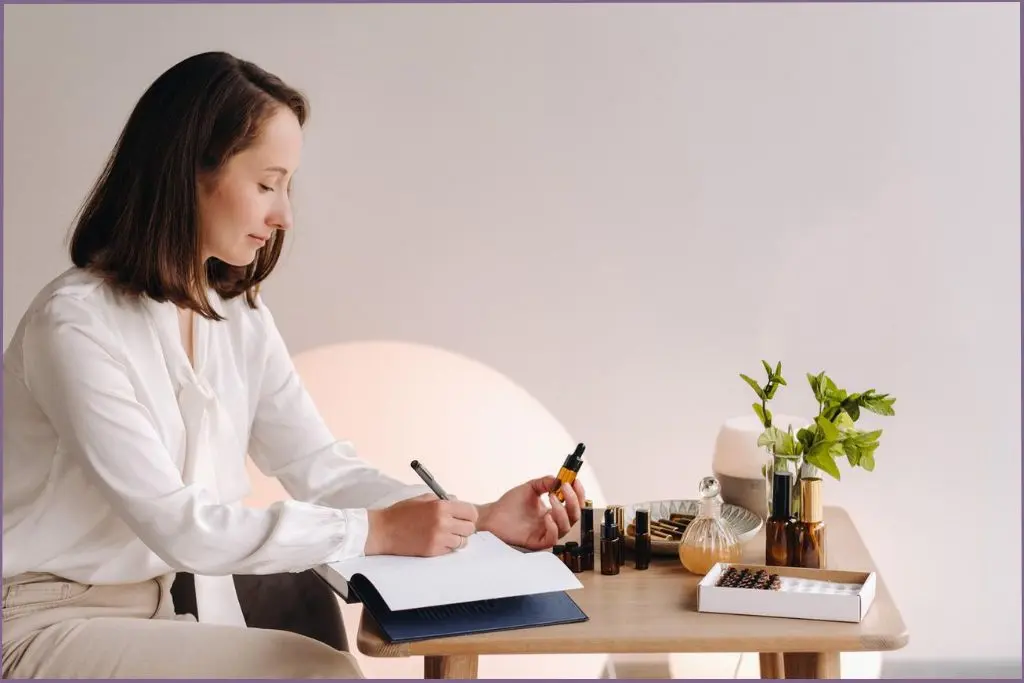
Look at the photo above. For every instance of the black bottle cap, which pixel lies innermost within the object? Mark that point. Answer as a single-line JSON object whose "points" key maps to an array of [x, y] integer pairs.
{"points": [[572, 545], [643, 522], [558, 549], [574, 461], [782, 494], [608, 530], [586, 520]]}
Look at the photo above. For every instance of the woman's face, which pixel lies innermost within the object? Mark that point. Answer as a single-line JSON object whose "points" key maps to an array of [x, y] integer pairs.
{"points": [[248, 200]]}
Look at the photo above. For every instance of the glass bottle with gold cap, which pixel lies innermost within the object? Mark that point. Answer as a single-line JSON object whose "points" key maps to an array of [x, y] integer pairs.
{"points": [[808, 548], [708, 538]]}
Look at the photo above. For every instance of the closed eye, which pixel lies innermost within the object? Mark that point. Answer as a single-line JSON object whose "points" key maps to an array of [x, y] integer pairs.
{"points": [[264, 188]]}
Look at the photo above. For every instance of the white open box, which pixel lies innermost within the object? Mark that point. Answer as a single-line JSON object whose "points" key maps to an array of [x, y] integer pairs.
{"points": [[785, 603]]}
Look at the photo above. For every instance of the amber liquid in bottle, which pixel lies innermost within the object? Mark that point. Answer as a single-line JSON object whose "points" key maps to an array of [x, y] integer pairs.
{"points": [[708, 539], [567, 473], [808, 549], [778, 529]]}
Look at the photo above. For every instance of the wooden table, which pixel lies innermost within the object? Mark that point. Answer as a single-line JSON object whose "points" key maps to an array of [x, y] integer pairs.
{"points": [[655, 611]]}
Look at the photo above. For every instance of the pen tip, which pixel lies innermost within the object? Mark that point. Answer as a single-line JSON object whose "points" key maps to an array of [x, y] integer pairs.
{"points": [[414, 463]]}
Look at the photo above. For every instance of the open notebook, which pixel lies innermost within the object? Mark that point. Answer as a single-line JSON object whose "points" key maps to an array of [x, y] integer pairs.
{"points": [[486, 586]]}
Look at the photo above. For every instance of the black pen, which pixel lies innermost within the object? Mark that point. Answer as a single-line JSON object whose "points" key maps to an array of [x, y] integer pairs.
{"points": [[428, 480]]}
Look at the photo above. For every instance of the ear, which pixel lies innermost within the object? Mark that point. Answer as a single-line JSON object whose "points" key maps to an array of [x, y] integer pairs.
{"points": [[206, 183]]}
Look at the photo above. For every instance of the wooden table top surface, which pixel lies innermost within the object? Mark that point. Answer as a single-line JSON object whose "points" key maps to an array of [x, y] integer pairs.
{"points": [[656, 611]]}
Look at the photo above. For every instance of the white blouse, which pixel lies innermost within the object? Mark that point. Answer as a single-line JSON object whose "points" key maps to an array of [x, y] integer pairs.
{"points": [[122, 462]]}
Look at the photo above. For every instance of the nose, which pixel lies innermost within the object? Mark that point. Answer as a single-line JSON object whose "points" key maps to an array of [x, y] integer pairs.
{"points": [[280, 216]]}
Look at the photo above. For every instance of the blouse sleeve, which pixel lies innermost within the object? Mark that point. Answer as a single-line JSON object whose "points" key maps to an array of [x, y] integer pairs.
{"points": [[76, 369], [291, 441]]}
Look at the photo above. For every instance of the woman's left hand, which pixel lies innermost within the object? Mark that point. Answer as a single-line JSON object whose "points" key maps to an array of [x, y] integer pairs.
{"points": [[520, 517]]}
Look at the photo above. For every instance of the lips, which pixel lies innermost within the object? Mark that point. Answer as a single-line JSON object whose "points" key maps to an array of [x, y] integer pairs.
{"points": [[260, 238]]}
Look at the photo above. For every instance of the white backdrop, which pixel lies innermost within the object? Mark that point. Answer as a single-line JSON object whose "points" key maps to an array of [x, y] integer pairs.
{"points": [[623, 207]]}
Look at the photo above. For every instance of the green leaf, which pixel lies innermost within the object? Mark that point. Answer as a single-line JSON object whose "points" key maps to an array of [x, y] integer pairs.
{"points": [[770, 437], [828, 430], [880, 404], [865, 438], [790, 446], [760, 413], [772, 388], [818, 450], [843, 422], [825, 463], [815, 383], [755, 386], [807, 437], [867, 460], [778, 369], [767, 369], [768, 417]]}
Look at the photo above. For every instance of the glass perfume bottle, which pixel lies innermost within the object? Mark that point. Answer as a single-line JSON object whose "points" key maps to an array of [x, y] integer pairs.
{"points": [[708, 539], [778, 528], [809, 547]]}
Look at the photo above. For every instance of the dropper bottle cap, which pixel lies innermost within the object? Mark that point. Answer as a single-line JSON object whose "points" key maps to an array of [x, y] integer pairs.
{"points": [[574, 461], [609, 531]]}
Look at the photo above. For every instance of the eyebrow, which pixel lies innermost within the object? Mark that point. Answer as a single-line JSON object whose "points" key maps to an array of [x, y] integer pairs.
{"points": [[276, 169]]}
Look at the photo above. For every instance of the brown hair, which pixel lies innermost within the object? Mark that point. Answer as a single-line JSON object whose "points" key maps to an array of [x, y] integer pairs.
{"points": [[139, 228]]}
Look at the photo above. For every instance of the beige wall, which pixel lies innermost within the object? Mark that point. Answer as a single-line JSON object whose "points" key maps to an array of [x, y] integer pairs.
{"points": [[623, 207]]}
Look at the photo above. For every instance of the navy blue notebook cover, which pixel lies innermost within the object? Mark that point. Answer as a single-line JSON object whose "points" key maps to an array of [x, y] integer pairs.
{"points": [[483, 616]]}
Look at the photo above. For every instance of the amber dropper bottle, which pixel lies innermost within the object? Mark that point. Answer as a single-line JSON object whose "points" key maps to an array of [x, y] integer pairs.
{"points": [[567, 474], [620, 524], [778, 529], [609, 549], [587, 536], [642, 544], [808, 548]]}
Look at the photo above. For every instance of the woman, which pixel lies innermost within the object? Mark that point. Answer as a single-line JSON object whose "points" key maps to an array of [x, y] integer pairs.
{"points": [[138, 381]]}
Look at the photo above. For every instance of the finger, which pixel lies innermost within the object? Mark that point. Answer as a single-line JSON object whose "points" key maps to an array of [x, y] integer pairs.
{"points": [[454, 542], [551, 534], [559, 515], [461, 527], [572, 504], [581, 494], [544, 485], [461, 510]]}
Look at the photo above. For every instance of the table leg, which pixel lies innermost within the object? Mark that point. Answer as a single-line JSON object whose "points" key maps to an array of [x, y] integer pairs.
{"points": [[772, 665], [450, 666], [812, 665]]}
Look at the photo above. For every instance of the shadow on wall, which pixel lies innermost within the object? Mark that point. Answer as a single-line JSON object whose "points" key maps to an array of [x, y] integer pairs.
{"points": [[477, 431]]}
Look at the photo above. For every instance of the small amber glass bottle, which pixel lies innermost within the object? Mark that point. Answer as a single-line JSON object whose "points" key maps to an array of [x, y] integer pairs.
{"points": [[567, 473], [609, 547], [642, 544], [808, 549], [620, 524], [778, 528], [587, 536]]}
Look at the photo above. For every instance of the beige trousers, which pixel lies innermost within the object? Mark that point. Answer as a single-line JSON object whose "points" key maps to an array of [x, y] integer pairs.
{"points": [[53, 628]]}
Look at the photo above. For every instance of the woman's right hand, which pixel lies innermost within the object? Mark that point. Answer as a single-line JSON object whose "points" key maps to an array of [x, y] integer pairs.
{"points": [[423, 527]]}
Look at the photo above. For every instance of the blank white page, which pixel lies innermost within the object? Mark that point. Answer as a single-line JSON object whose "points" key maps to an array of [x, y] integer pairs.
{"points": [[485, 569]]}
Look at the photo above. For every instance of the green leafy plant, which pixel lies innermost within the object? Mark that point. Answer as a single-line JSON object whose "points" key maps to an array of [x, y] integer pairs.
{"points": [[833, 434]]}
